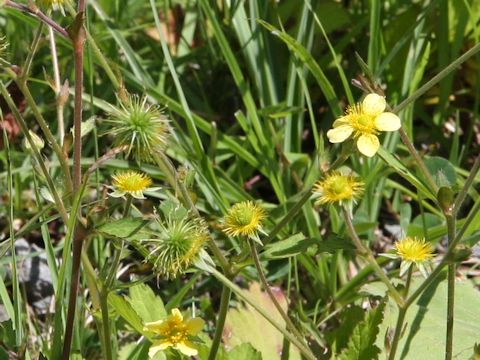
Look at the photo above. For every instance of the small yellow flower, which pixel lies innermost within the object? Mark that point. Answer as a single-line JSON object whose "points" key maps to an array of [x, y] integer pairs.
{"points": [[132, 183], [413, 251], [337, 188], [363, 122], [176, 244], [175, 332], [244, 219]]}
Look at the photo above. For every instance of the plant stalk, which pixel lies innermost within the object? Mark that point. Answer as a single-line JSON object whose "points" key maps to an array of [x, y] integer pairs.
{"points": [[220, 324], [450, 290], [78, 45], [367, 254], [402, 311], [264, 282]]}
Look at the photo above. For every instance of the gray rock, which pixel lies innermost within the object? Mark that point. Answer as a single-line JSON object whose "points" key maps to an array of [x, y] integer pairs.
{"points": [[33, 273]]}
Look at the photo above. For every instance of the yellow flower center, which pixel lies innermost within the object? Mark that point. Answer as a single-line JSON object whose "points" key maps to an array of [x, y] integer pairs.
{"points": [[413, 249], [131, 181], [175, 332], [360, 121]]}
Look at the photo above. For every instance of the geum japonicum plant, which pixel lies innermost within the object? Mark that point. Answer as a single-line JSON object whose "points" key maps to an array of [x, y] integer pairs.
{"points": [[180, 195]]}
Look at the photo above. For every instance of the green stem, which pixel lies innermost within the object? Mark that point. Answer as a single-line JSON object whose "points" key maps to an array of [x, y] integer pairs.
{"points": [[270, 293], [78, 39], [172, 178], [38, 157], [22, 85], [220, 324], [437, 78], [239, 292], [418, 160], [451, 290], [28, 62], [299, 204], [118, 252], [468, 182], [398, 332], [367, 254], [99, 301], [402, 311]]}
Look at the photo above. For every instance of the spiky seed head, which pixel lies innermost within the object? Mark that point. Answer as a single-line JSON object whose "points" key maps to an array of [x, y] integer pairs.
{"points": [[140, 126], [176, 244]]}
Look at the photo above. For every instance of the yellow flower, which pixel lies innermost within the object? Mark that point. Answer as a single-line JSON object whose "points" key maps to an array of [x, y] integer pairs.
{"points": [[132, 183], [337, 188], [175, 332], [413, 251], [177, 244], [363, 122], [244, 219]]}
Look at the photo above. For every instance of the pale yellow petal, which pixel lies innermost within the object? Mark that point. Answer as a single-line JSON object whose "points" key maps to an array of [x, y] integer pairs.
{"points": [[177, 315], [368, 144], [195, 325], [187, 348], [339, 134], [374, 104], [158, 346], [344, 120], [387, 121], [154, 326]]}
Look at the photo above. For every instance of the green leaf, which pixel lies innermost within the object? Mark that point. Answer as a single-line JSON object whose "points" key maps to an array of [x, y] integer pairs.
{"points": [[442, 170], [125, 310], [349, 318], [361, 345], [404, 172], [292, 246], [134, 351], [303, 54], [424, 334], [148, 306], [263, 336], [244, 352], [334, 243], [173, 209], [124, 228]]}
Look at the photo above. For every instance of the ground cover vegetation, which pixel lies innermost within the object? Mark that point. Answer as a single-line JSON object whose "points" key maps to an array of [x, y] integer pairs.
{"points": [[239, 179]]}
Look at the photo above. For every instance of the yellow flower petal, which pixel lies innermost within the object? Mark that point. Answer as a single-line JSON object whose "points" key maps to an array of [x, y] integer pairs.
{"points": [[158, 346], [387, 121], [344, 120], [374, 104], [339, 134], [195, 325], [368, 144], [177, 315], [154, 326], [187, 348]]}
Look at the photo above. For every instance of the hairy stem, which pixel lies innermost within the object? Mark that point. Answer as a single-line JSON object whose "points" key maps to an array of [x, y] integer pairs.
{"points": [[402, 311], [78, 45], [36, 12], [367, 254], [299, 344], [220, 324], [450, 291], [270, 293]]}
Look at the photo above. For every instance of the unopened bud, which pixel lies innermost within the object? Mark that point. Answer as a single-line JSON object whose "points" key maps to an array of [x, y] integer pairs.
{"points": [[37, 141]]}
